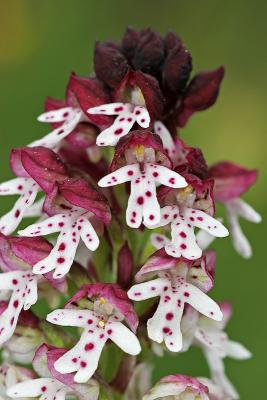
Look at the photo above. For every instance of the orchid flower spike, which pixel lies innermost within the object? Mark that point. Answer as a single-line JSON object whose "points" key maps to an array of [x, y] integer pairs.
{"points": [[178, 387], [127, 115], [176, 285], [102, 323], [27, 189], [216, 345], [231, 181]]}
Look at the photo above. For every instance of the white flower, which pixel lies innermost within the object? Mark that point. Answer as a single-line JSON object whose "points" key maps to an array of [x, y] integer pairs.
{"points": [[97, 329], [23, 285], [143, 203], [183, 221], [174, 291], [72, 227], [27, 189], [127, 115]]}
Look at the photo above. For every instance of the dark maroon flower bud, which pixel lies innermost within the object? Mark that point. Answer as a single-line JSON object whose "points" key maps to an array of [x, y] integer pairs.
{"points": [[149, 53], [110, 64], [129, 42], [178, 64], [44, 166], [125, 266], [200, 94]]}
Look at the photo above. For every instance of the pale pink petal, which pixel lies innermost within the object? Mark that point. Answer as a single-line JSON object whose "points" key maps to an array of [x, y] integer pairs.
{"points": [[60, 115], [183, 241], [167, 141], [110, 109], [120, 127], [204, 221], [147, 290], [62, 256], [166, 176], [88, 234], [69, 317], [240, 242], [142, 116], [83, 357], [202, 303], [121, 175], [123, 338], [237, 350], [10, 221], [46, 227], [14, 186], [53, 138], [244, 210]]}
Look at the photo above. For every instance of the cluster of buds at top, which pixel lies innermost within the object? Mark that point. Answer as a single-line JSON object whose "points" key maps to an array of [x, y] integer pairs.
{"points": [[139, 97]]}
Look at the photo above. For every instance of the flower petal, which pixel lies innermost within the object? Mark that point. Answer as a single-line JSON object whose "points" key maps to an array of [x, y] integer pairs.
{"points": [[203, 303], [124, 338], [50, 225], [159, 241], [120, 127], [147, 290], [237, 350], [70, 317], [30, 388], [167, 177], [10, 221], [121, 175], [88, 234], [59, 115], [204, 221], [52, 139]]}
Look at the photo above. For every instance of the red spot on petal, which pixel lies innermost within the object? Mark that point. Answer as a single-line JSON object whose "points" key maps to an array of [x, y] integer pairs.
{"points": [[15, 281], [155, 174], [17, 213], [182, 234], [62, 247], [130, 172], [169, 316], [166, 329], [16, 304], [61, 260], [183, 246], [118, 131], [109, 331], [83, 364], [148, 194], [89, 346], [140, 200], [43, 388], [186, 294]]}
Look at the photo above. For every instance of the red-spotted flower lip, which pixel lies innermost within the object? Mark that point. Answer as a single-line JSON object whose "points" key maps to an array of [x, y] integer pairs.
{"points": [[231, 180], [114, 294], [201, 271], [139, 138], [187, 381]]}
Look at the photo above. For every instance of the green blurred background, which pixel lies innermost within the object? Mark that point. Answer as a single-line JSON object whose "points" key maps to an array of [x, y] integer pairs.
{"points": [[41, 42]]}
